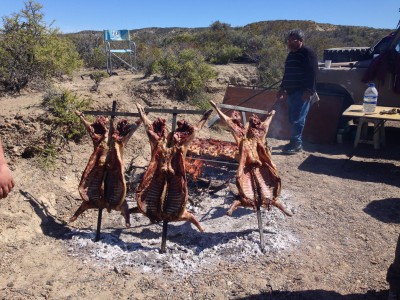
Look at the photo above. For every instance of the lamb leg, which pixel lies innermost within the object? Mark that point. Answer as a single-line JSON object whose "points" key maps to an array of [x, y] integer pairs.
{"points": [[125, 213], [84, 206], [233, 207], [279, 205], [187, 216], [203, 120]]}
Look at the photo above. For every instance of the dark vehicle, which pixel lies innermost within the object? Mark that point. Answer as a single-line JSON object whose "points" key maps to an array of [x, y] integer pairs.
{"points": [[353, 68]]}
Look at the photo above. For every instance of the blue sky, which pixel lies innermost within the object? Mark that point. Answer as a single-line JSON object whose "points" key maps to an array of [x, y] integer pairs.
{"points": [[76, 15]]}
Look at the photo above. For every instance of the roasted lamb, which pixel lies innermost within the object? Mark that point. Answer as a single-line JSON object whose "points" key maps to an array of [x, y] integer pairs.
{"points": [[257, 178], [103, 184], [162, 194]]}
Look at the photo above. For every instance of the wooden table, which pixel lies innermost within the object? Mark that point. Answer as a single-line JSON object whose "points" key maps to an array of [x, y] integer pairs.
{"points": [[356, 111]]}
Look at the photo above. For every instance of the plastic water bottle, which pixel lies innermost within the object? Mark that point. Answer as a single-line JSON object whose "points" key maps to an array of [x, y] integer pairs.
{"points": [[370, 99]]}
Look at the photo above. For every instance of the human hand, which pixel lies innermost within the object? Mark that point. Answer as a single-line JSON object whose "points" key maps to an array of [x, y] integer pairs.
{"points": [[307, 95], [281, 95], [6, 181]]}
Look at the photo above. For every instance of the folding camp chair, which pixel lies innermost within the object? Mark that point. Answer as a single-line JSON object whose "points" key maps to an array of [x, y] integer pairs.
{"points": [[118, 45]]}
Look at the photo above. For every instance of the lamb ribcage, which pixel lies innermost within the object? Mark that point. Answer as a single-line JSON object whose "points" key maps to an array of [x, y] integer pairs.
{"points": [[152, 195], [90, 190], [263, 179], [91, 184], [114, 188], [114, 181], [256, 180], [246, 183], [175, 200]]}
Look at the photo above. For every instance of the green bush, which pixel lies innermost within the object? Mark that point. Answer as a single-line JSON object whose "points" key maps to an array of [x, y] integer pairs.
{"points": [[65, 125], [56, 56], [150, 60], [97, 76], [201, 100], [187, 72], [169, 66], [272, 60], [97, 58], [32, 51], [222, 54], [89, 45], [46, 155], [62, 106]]}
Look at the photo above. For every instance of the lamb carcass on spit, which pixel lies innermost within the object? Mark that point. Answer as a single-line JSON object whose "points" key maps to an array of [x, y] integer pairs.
{"points": [[257, 178], [162, 194], [213, 148], [103, 183]]}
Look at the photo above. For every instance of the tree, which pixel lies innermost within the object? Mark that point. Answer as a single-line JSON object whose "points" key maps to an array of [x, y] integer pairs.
{"points": [[272, 59], [30, 50]]}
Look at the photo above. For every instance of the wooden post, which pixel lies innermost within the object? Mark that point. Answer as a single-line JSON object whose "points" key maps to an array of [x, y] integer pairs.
{"points": [[100, 213]]}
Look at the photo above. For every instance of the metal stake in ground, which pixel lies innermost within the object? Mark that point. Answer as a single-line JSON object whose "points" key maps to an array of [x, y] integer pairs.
{"points": [[165, 223], [260, 228], [99, 216], [258, 201]]}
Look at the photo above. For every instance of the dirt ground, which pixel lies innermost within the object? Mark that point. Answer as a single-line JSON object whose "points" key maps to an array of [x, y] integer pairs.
{"points": [[338, 244]]}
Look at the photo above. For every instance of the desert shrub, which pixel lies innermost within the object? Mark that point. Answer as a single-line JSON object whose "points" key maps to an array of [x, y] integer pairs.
{"points": [[253, 47], [97, 76], [150, 60], [201, 100], [222, 54], [45, 155], [271, 63], [89, 45], [97, 59], [62, 125], [62, 106], [187, 73], [30, 50], [216, 44], [217, 33], [184, 39], [169, 65], [56, 56]]}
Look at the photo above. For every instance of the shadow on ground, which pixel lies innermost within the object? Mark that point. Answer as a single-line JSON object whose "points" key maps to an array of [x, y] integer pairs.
{"points": [[391, 151], [386, 210], [50, 225], [379, 172]]}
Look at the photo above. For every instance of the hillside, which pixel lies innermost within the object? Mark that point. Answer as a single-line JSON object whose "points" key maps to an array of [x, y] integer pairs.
{"points": [[318, 35]]}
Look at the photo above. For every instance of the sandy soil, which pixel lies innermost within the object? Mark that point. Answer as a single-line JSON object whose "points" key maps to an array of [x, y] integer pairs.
{"points": [[338, 244]]}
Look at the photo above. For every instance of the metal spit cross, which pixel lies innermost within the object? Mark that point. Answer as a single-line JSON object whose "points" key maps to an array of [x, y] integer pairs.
{"points": [[175, 111]]}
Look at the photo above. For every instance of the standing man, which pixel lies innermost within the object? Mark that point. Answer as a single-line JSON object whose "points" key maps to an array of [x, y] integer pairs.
{"points": [[6, 180], [298, 86]]}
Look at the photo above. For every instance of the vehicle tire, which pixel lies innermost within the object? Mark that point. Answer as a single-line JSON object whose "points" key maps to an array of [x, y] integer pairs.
{"points": [[347, 54]]}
